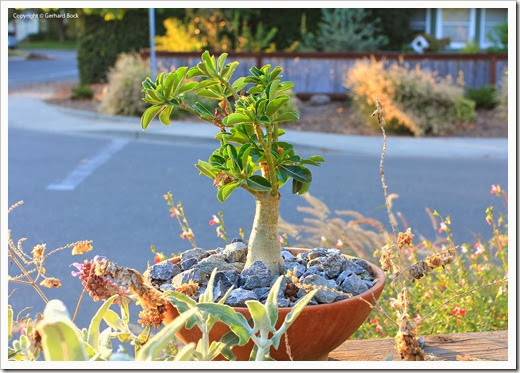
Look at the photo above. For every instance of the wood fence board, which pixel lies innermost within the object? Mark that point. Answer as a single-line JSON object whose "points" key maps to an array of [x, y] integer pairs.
{"points": [[490, 346], [331, 68]]}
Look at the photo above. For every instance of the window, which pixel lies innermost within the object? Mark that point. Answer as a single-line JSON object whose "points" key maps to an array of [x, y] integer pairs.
{"points": [[418, 20], [490, 19], [456, 24]]}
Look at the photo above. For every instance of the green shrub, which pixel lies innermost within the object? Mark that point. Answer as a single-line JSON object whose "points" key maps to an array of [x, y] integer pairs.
{"points": [[464, 109], [344, 30], [470, 47], [100, 42], [484, 96], [416, 101], [82, 92], [436, 45], [123, 96], [498, 36]]}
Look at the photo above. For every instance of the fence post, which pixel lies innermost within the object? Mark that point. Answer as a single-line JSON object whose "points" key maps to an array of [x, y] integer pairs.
{"points": [[259, 59], [493, 70]]}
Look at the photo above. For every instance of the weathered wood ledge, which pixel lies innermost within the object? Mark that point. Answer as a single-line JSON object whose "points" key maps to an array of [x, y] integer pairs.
{"points": [[490, 346]]}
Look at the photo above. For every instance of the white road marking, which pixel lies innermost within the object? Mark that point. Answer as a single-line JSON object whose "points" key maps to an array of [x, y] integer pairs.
{"points": [[83, 170]]}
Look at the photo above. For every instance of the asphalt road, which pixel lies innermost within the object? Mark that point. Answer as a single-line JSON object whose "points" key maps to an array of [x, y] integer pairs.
{"points": [[60, 67], [118, 202]]}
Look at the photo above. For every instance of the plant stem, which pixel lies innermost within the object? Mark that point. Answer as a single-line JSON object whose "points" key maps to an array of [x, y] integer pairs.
{"points": [[271, 173], [28, 276], [264, 244], [78, 304], [228, 86]]}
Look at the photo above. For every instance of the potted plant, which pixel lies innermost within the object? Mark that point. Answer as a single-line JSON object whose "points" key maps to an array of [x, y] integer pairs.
{"points": [[252, 156]]}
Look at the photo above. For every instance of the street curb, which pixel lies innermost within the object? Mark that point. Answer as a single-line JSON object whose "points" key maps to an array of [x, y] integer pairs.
{"points": [[203, 133]]}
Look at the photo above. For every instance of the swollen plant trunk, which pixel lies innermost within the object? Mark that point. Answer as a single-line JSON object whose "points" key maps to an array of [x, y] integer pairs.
{"points": [[264, 243]]}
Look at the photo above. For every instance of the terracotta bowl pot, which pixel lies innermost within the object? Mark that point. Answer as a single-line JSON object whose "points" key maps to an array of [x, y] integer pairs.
{"points": [[316, 332]]}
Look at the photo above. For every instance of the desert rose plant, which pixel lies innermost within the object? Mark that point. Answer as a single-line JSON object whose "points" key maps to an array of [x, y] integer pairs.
{"points": [[251, 155]]}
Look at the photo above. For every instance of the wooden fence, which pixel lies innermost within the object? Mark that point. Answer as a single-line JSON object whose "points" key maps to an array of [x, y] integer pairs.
{"points": [[324, 72]]}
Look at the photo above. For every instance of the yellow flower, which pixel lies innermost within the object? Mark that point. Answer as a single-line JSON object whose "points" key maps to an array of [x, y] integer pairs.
{"points": [[51, 282], [81, 247], [38, 251]]}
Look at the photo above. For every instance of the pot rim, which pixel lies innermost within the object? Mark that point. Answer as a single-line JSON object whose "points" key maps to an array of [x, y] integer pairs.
{"points": [[380, 276]]}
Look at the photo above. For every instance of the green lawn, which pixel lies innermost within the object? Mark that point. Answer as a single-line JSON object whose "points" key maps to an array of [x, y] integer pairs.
{"points": [[49, 44], [17, 53]]}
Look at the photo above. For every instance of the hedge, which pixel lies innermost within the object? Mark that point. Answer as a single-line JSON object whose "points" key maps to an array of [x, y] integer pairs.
{"points": [[100, 42]]}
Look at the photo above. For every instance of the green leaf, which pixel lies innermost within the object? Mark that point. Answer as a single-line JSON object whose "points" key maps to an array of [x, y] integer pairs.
{"points": [[179, 75], [288, 116], [229, 340], [159, 79], [229, 70], [271, 303], [206, 169], [254, 80], [300, 188], [217, 160], [273, 89], [209, 94], [221, 61], [93, 328], [225, 191], [185, 353], [226, 295], [234, 320], [60, 341], [243, 154], [299, 173], [105, 345], [239, 84], [260, 183], [149, 114], [316, 158], [209, 63], [260, 316], [208, 293], [255, 90], [256, 71], [232, 151], [284, 86], [148, 84], [202, 109], [151, 97], [275, 105], [291, 317], [11, 353], [236, 118], [205, 83], [194, 71], [113, 320], [274, 74], [154, 347], [169, 85], [187, 87], [164, 117]]}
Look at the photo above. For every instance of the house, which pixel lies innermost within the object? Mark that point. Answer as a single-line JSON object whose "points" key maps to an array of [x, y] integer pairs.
{"points": [[461, 25], [24, 23]]}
